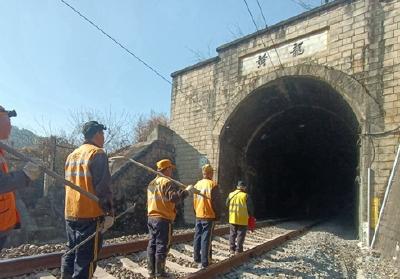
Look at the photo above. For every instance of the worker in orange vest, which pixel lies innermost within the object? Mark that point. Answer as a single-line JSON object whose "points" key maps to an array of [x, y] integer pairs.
{"points": [[240, 208], [87, 167], [11, 181], [207, 210], [162, 197]]}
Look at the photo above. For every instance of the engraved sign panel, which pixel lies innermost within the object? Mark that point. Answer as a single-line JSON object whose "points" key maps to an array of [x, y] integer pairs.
{"points": [[304, 47]]}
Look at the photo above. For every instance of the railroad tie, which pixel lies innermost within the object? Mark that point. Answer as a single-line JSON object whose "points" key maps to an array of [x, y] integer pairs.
{"points": [[139, 256], [255, 237], [134, 267], [255, 242], [249, 275], [187, 247], [224, 241], [251, 242], [101, 273], [221, 239], [180, 255], [179, 268], [218, 257], [221, 248], [259, 233], [45, 275]]}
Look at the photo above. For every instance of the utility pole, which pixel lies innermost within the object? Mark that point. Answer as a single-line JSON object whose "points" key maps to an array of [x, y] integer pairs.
{"points": [[51, 160]]}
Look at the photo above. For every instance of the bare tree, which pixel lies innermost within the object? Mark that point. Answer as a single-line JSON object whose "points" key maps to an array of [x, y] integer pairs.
{"points": [[119, 126], [146, 124], [202, 55], [235, 31]]}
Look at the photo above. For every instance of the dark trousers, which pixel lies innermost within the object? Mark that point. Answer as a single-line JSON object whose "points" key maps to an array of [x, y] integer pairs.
{"points": [[202, 242], [3, 240], [160, 234], [236, 233], [82, 262]]}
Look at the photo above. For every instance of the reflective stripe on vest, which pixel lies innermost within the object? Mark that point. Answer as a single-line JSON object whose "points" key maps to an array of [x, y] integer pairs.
{"points": [[9, 216], [157, 204], [238, 213], [202, 206], [77, 171]]}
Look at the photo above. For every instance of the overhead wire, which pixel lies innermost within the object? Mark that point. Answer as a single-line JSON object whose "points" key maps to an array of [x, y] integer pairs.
{"points": [[265, 46], [262, 13], [384, 133], [195, 102], [262, 41], [118, 43], [251, 14], [266, 26], [147, 65]]}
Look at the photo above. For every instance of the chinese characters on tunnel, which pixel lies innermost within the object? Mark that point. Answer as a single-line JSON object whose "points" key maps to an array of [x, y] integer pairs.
{"points": [[297, 50], [273, 56]]}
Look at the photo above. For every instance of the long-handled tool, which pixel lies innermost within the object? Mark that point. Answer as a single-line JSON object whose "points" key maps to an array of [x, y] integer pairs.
{"points": [[180, 184], [130, 209], [51, 173]]}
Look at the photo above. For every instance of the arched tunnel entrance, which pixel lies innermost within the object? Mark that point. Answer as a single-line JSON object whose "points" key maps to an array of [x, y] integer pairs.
{"points": [[294, 142]]}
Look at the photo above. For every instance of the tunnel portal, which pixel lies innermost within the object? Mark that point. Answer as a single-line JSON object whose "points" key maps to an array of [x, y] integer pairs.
{"points": [[295, 143]]}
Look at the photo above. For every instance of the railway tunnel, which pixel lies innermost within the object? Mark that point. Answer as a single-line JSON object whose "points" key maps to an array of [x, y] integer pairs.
{"points": [[295, 143]]}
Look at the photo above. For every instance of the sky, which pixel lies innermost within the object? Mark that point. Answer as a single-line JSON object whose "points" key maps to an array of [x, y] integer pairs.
{"points": [[52, 62]]}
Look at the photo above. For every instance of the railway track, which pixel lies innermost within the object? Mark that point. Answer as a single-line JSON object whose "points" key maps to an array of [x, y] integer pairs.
{"points": [[128, 260]]}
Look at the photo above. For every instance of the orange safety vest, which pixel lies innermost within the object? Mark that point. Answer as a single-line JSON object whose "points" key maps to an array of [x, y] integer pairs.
{"points": [[78, 206], [202, 206], [157, 205], [238, 213], [9, 216]]}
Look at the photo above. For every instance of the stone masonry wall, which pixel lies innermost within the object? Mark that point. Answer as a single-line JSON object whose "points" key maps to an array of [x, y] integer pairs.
{"points": [[129, 182], [363, 42]]}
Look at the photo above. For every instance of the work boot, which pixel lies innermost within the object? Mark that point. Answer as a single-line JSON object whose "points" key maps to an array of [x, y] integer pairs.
{"points": [[160, 270], [151, 266], [65, 275], [201, 266]]}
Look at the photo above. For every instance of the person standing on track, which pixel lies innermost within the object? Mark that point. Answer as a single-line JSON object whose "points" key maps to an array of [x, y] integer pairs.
{"points": [[11, 181], [207, 210], [240, 208], [162, 197], [87, 167]]}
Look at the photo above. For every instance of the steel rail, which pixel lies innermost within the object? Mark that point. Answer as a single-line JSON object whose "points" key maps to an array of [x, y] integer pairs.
{"points": [[29, 264], [224, 266]]}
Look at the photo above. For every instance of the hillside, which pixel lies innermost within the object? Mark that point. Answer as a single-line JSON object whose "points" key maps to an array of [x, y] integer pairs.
{"points": [[22, 137]]}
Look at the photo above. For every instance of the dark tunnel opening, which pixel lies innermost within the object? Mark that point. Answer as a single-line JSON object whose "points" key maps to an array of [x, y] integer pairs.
{"points": [[294, 142]]}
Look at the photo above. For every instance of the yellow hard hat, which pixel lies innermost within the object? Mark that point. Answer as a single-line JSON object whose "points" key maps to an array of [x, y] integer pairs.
{"points": [[207, 168], [164, 163]]}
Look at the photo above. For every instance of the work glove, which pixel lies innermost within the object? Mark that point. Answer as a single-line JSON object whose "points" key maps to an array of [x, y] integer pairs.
{"points": [[107, 223], [192, 190], [32, 170]]}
